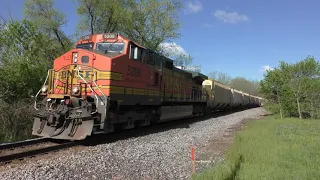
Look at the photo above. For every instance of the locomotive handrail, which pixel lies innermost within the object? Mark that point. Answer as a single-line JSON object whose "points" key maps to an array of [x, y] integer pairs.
{"points": [[55, 82], [95, 94], [35, 102], [94, 75]]}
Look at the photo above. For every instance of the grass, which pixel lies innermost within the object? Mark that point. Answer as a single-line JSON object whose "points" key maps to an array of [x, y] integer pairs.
{"points": [[271, 149]]}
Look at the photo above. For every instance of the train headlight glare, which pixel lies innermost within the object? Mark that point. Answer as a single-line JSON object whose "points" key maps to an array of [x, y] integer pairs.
{"points": [[44, 89], [75, 90]]}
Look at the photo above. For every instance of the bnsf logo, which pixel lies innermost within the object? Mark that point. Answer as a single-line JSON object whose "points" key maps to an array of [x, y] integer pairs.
{"points": [[134, 71], [83, 74]]}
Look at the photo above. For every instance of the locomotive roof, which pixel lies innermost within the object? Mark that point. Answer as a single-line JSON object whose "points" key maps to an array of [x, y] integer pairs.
{"points": [[197, 75]]}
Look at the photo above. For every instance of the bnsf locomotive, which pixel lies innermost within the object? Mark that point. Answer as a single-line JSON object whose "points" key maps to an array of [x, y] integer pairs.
{"points": [[108, 81]]}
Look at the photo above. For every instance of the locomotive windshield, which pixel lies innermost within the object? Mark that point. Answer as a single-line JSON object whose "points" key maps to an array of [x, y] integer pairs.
{"points": [[88, 46], [106, 47]]}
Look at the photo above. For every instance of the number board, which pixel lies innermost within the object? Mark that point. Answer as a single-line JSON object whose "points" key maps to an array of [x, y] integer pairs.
{"points": [[134, 71]]}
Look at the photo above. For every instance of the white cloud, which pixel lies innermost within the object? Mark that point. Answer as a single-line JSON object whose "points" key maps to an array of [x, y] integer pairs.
{"points": [[173, 49], [266, 68], [194, 7], [230, 17]]}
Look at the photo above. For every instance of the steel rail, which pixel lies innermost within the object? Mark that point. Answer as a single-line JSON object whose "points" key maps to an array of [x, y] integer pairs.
{"points": [[23, 143], [31, 153]]}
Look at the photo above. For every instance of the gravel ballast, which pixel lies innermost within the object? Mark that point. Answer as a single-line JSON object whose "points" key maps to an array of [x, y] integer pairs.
{"points": [[161, 155]]}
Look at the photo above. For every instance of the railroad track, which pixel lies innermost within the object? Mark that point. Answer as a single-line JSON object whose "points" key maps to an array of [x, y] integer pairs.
{"points": [[30, 148], [22, 150], [22, 143]]}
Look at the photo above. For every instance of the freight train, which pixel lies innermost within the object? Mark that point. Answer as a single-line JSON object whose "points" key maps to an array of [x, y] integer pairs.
{"points": [[108, 81]]}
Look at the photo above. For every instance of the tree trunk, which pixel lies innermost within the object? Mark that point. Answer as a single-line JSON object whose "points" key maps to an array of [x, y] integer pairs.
{"points": [[59, 38], [91, 24], [279, 102], [299, 110], [317, 107]]}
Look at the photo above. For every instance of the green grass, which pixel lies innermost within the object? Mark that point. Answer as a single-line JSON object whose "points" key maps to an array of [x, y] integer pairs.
{"points": [[272, 149]]}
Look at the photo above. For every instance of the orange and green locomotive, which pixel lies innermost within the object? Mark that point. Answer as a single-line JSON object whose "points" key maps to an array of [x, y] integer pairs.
{"points": [[109, 81]]}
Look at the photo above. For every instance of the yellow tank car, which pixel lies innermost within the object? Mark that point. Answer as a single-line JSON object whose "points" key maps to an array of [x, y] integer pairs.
{"points": [[219, 96], [237, 98], [246, 99]]}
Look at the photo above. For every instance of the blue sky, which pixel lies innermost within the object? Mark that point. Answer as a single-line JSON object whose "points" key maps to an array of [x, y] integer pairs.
{"points": [[239, 38]]}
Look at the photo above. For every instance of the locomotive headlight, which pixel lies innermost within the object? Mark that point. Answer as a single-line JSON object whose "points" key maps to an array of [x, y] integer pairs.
{"points": [[44, 89], [75, 90], [75, 57]]}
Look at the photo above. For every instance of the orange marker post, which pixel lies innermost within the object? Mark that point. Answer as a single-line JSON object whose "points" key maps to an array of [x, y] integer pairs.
{"points": [[193, 160]]}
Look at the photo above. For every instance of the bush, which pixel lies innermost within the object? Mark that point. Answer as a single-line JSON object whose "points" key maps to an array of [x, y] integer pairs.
{"points": [[16, 120], [293, 89]]}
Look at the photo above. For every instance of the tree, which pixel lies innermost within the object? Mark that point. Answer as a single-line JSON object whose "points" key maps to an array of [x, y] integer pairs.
{"points": [[294, 88], [48, 20], [148, 22], [26, 55], [178, 55], [101, 16], [302, 78], [152, 22], [245, 85], [183, 60], [221, 77], [310, 104], [272, 86]]}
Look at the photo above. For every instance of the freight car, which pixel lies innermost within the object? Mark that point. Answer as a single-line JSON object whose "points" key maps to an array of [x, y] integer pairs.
{"points": [[109, 81]]}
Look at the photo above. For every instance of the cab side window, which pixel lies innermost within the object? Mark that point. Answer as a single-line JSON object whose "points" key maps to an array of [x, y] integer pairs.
{"points": [[139, 54], [144, 57], [135, 52]]}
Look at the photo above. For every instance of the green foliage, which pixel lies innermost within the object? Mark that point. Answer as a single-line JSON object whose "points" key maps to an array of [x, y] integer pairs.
{"points": [[148, 22], [294, 88], [48, 20], [101, 16], [151, 22], [26, 55], [271, 149]]}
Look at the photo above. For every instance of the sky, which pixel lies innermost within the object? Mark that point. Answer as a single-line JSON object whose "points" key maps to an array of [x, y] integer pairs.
{"points": [[237, 37]]}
